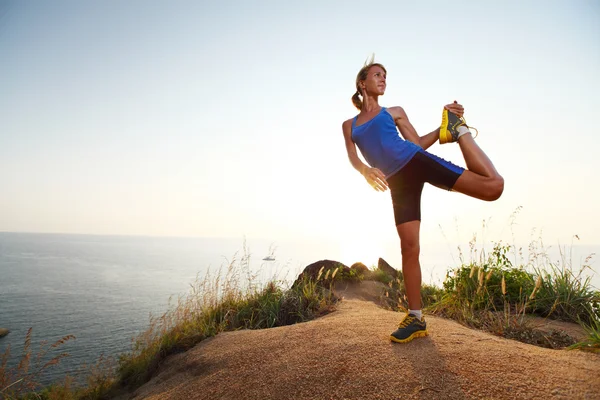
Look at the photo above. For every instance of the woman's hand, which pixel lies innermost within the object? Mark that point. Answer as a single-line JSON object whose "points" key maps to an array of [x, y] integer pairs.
{"points": [[455, 108], [376, 179]]}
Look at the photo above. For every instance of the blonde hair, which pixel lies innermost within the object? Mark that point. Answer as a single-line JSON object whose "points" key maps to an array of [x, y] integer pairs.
{"points": [[361, 76]]}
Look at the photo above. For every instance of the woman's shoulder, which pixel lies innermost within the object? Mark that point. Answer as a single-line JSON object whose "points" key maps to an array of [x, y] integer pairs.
{"points": [[348, 122], [396, 112], [395, 109]]}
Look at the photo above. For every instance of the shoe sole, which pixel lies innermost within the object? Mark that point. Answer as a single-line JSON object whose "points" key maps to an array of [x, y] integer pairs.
{"points": [[417, 334], [445, 136]]}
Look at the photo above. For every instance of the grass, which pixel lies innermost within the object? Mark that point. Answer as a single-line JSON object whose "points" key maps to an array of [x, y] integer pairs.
{"points": [[381, 276], [24, 378], [494, 295], [592, 343], [230, 300]]}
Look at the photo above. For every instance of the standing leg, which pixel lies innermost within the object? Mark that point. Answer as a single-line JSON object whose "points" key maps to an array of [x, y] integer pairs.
{"points": [[406, 187], [413, 325], [411, 268]]}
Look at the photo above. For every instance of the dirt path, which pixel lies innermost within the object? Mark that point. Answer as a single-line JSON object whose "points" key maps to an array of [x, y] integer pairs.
{"points": [[347, 355]]}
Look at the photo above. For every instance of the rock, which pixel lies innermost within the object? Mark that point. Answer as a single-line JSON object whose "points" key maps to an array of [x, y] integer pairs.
{"points": [[361, 269], [4, 332], [312, 271], [388, 269]]}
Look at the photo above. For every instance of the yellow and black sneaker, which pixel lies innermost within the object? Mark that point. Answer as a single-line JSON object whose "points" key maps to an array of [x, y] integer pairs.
{"points": [[449, 131], [409, 328]]}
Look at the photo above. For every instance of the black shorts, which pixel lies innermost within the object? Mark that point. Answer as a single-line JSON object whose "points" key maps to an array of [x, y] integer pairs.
{"points": [[407, 184]]}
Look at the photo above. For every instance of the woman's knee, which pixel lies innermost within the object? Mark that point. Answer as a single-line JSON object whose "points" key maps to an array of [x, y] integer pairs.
{"points": [[488, 188], [410, 248], [409, 238], [496, 188]]}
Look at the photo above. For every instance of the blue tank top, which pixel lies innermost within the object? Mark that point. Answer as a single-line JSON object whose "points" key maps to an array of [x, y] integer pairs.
{"points": [[380, 144]]}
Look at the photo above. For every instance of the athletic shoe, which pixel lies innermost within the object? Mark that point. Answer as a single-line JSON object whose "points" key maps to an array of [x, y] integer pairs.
{"points": [[449, 127], [409, 328]]}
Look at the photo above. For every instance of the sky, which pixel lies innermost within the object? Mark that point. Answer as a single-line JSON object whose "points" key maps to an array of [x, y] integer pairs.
{"points": [[223, 119]]}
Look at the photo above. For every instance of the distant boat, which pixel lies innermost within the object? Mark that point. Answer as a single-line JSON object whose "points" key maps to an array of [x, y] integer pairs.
{"points": [[269, 258]]}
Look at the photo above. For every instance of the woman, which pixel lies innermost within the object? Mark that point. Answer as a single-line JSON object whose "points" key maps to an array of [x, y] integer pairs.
{"points": [[404, 166]]}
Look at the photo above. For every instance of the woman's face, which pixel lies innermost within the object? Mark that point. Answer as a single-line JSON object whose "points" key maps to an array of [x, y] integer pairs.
{"points": [[375, 83]]}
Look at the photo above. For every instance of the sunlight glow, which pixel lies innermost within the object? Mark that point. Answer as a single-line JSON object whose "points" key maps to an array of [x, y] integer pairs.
{"points": [[365, 249]]}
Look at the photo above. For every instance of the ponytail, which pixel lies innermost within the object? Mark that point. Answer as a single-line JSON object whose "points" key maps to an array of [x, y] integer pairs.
{"points": [[357, 101]]}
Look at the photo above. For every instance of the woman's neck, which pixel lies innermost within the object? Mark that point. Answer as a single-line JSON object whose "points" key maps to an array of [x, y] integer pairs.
{"points": [[370, 104]]}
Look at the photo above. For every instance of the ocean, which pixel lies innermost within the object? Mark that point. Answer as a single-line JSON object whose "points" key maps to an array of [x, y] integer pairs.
{"points": [[102, 289]]}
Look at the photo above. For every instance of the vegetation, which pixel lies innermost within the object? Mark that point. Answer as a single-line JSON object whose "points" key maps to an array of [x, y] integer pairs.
{"points": [[494, 295], [25, 377], [592, 343]]}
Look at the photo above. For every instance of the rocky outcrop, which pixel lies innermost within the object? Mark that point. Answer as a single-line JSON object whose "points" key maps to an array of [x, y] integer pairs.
{"points": [[362, 270], [4, 332], [388, 269], [360, 267], [312, 271]]}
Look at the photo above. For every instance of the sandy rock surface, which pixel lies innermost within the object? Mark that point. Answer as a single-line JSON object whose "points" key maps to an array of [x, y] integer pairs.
{"points": [[347, 355]]}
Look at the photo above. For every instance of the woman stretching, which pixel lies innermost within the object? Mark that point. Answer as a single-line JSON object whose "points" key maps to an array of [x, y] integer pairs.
{"points": [[404, 166]]}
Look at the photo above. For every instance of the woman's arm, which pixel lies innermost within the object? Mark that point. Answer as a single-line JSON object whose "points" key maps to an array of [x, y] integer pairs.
{"points": [[408, 131], [374, 176], [426, 141]]}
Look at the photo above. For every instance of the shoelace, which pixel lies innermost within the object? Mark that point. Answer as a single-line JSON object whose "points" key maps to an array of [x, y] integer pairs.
{"points": [[406, 321], [470, 127]]}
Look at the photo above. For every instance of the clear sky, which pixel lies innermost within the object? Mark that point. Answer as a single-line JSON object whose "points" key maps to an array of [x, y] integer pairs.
{"points": [[223, 118]]}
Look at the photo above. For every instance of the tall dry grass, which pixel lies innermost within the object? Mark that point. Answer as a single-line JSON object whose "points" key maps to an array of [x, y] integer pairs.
{"points": [[229, 300], [25, 377]]}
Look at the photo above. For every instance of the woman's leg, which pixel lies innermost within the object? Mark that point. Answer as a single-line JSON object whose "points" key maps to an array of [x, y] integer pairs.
{"points": [[406, 187], [480, 180], [411, 268]]}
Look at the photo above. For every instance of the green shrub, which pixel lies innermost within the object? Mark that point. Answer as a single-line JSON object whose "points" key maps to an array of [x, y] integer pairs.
{"points": [[430, 295], [381, 276], [481, 286]]}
